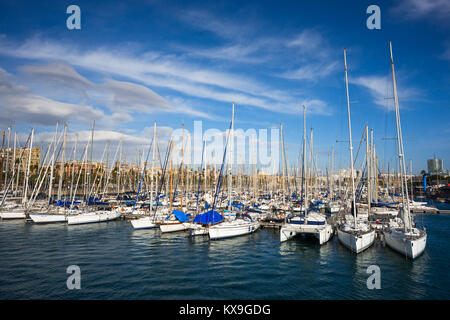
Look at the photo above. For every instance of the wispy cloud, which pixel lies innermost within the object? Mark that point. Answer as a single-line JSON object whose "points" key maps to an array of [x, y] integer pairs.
{"points": [[380, 88], [19, 103], [121, 97], [423, 9], [155, 70], [219, 26], [316, 57]]}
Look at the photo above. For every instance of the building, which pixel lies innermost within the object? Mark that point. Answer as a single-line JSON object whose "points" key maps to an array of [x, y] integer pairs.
{"points": [[23, 160], [436, 167]]}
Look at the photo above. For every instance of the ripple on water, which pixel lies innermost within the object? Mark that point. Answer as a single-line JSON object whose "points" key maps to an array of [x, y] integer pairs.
{"points": [[118, 262]]}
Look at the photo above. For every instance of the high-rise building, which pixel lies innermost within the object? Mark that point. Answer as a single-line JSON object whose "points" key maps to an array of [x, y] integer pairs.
{"points": [[436, 166]]}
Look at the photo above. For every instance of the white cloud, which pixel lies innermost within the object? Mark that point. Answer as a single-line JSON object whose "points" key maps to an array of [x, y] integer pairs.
{"points": [[122, 98], [380, 87], [419, 9], [157, 71], [18, 103], [218, 26]]}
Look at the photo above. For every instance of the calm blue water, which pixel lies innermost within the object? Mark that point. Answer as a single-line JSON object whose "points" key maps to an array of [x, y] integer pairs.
{"points": [[119, 263]]}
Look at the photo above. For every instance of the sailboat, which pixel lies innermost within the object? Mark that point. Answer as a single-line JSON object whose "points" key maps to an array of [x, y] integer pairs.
{"points": [[238, 226], [147, 222], [90, 216], [177, 220], [58, 215], [356, 236], [199, 225], [16, 211], [406, 238], [309, 222]]}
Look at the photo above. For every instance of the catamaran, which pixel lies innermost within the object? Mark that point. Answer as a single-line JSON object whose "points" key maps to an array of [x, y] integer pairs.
{"points": [[309, 222]]}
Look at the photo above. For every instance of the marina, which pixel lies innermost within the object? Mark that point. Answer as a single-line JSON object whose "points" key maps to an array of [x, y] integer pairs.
{"points": [[225, 151], [118, 262]]}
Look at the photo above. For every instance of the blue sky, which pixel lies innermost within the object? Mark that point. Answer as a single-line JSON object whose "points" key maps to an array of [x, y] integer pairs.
{"points": [[174, 62]]}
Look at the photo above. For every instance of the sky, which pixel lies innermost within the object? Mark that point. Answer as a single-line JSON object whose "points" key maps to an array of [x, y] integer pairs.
{"points": [[177, 62]]}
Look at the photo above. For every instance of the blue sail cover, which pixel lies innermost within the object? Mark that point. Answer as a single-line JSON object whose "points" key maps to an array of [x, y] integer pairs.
{"points": [[180, 215], [61, 203], [208, 217]]}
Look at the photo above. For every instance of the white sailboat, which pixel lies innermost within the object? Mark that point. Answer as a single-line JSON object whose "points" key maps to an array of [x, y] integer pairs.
{"points": [[59, 215], [356, 236], [147, 222], [307, 223], [94, 217], [173, 223], [237, 227], [18, 211], [407, 239]]}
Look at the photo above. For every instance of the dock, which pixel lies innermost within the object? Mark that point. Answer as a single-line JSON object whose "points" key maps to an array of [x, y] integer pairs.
{"points": [[270, 224], [431, 211]]}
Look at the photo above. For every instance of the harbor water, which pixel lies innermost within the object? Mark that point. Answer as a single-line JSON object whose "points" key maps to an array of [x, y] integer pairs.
{"points": [[117, 262]]}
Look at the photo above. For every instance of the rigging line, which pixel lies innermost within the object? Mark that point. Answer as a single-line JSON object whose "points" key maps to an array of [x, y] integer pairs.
{"points": [[219, 183], [142, 177], [166, 160]]}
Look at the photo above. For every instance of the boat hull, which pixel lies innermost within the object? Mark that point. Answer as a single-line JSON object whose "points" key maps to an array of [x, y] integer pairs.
{"points": [[356, 242], [412, 248], [172, 227], [322, 233], [229, 230], [85, 218], [143, 223], [13, 215], [48, 218], [196, 229]]}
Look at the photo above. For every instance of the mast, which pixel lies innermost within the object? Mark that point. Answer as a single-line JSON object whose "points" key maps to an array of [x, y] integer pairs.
{"points": [[230, 156], [90, 157], [73, 165], [411, 171], [61, 169], [350, 139], [332, 173], [50, 185], [374, 169], [153, 165], [282, 164], [24, 199], [206, 168], [368, 171], [7, 158], [171, 167], [120, 166], [401, 153], [200, 177], [310, 169], [303, 159], [182, 151], [14, 161]]}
